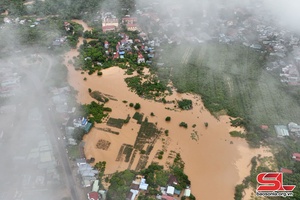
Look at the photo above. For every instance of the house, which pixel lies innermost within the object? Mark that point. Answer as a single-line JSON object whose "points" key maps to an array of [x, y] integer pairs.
{"points": [[166, 197], [129, 20], [93, 196], [172, 180], [80, 161], [187, 192], [293, 127], [106, 45], [108, 28], [170, 190], [132, 27], [281, 130], [140, 59], [95, 186], [296, 156], [286, 171], [110, 21], [132, 194], [143, 184], [264, 127]]}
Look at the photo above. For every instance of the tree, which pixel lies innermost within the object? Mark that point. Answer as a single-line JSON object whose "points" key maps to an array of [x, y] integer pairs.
{"points": [[183, 124], [137, 106], [131, 104], [168, 119]]}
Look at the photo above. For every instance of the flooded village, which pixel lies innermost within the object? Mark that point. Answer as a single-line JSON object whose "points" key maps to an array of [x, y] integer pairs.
{"points": [[136, 130]]}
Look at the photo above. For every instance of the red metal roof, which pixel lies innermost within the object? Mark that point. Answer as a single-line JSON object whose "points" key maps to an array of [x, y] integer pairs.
{"points": [[166, 197], [93, 196], [285, 170]]}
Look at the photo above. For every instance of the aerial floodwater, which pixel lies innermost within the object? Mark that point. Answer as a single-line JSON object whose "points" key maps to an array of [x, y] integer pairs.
{"points": [[214, 161]]}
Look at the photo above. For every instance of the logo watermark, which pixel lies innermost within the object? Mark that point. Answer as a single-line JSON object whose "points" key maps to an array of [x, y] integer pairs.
{"points": [[271, 185]]}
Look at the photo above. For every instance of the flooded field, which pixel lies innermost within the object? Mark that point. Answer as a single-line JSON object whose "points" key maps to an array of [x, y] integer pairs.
{"points": [[214, 161]]}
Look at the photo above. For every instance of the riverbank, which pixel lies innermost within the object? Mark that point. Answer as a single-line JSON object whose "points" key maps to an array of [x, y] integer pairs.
{"points": [[214, 161]]}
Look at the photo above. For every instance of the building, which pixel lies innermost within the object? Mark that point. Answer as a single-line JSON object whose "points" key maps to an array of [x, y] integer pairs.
{"points": [[110, 21], [143, 184], [132, 194], [129, 20], [294, 128], [140, 59], [93, 196], [95, 186], [132, 27], [286, 171], [281, 130], [170, 190], [187, 192], [108, 28], [296, 156]]}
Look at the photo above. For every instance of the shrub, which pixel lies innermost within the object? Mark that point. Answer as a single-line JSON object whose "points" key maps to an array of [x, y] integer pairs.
{"points": [[206, 124], [168, 119], [90, 90], [82, 72], [124, 101], [143, 151], [183, 124], [152, 114], [84, 78], [99, 73], [137, 106], [131, 104], [159, 157]]}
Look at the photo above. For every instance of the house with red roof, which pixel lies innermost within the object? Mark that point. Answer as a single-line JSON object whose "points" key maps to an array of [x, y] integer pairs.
{"points": [[140, 58], [108, 28], [132, 27], [93, 196], [286, 171]]}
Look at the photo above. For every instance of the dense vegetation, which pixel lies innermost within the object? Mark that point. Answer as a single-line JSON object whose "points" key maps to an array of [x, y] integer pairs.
{"points": [[120, 184], [94, 111]]}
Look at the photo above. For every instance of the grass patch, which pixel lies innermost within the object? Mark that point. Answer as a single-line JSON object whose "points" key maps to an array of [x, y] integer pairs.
{"points": [[237, 134], [117, 123]]}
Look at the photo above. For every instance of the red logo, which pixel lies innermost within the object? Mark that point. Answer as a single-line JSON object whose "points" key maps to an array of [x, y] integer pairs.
{"points": [[272, 181]]}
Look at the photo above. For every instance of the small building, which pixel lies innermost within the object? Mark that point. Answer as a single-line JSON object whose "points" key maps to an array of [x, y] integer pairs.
{"points": [[109, 21], [172, 180], [281, 130], [93, 196], [140, 59], [264, 127], [106, 45], [166, 197], [296, 156], [187, 192], [95, 186], [129, 20], [132, 194], [286, 171], [132, 27], [170, 190], [108, 28], [143, 184]]}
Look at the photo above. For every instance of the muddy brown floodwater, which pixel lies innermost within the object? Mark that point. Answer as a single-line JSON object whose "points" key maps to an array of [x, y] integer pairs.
{"points": [[214, 161]]}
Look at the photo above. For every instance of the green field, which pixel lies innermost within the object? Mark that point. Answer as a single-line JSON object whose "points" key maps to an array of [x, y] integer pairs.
{"points": [[230, 78]]}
